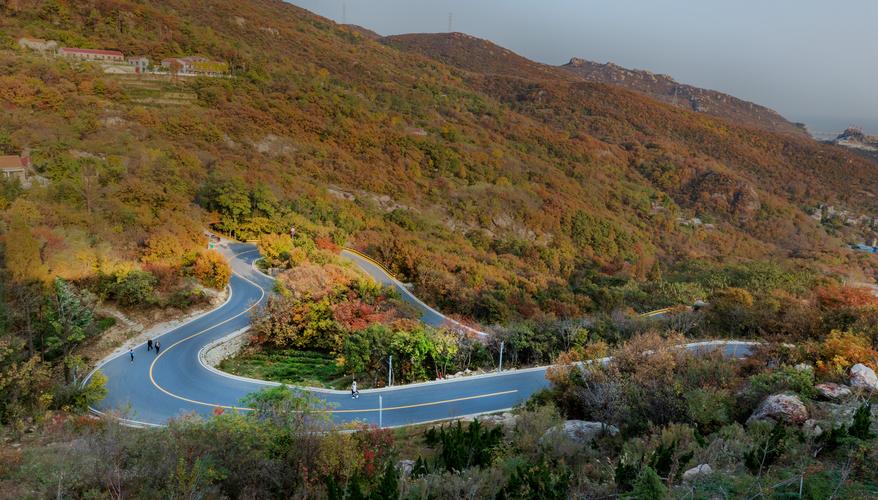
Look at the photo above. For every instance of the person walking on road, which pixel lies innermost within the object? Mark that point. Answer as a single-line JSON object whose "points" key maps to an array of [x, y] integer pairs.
{"points": [[149, 344], [158, 346], [354, 392], [131, 353]]}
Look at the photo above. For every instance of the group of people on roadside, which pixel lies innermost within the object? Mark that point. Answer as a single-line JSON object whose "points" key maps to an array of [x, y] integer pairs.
{"points": [[150, 345]]}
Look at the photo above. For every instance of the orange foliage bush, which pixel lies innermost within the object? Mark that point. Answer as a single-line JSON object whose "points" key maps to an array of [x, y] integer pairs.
{"points": [[839, 297], [212, 270], [840, 350], [356, 314], [326, 244]]}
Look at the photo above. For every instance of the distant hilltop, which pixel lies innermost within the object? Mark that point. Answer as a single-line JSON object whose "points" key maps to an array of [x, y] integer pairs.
{"points": [[666, 89], [482, 56], [855, 138]]}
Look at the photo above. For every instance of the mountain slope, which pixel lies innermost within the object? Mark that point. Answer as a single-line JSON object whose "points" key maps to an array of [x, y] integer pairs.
{"points": [[499, 186], [482, 56], [666, 89]]}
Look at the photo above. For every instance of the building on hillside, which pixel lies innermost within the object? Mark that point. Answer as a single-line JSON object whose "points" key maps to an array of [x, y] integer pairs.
{"points": [[140, 63], [195, 65], [37, 44], [14, 167], [92, 54]]}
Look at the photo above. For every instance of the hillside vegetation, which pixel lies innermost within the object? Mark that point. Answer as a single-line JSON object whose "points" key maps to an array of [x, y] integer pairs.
{"points": [[509, 193], [509, 183]]}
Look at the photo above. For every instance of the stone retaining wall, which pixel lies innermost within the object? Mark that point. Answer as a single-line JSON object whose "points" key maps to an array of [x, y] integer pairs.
{"points": [[230, 345]]}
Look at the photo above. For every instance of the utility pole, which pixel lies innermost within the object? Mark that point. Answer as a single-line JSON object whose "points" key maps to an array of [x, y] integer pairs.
{"points": [[344, 12], [389, 370], [501, 357], [449, 21]]}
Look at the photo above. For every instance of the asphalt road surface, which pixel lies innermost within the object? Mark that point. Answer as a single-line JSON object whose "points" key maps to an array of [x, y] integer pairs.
{"points": [[155, 388]]}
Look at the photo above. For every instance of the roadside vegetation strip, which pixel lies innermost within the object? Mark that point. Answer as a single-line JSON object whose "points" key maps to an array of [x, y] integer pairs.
{"points": [[454, 324], [373, 261], [691, 346]]}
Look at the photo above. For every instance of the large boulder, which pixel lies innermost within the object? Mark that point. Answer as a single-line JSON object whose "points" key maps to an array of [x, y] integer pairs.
{"points": [[833, 392], [579, 431], [863, 377], [406, 467], [697, 472], [784, 407]]}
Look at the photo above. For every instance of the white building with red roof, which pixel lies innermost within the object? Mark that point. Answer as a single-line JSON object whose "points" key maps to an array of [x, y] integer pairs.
{"points": [[92, 54], [14, 167]]}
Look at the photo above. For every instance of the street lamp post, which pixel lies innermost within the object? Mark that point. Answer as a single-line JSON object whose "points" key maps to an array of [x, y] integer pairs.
{"points": [[390, 370]]}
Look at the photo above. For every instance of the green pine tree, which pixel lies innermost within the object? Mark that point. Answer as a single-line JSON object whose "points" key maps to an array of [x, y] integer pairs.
{"points": [[860, 428], [388, 487], [649, 485]]}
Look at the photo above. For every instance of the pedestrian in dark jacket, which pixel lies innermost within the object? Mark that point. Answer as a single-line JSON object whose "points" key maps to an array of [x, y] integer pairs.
{"points": [[131, 353], [149, 345], [158, 346]]}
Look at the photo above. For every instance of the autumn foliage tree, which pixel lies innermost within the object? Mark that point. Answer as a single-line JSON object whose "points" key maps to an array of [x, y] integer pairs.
{"points": [[212, 269]]}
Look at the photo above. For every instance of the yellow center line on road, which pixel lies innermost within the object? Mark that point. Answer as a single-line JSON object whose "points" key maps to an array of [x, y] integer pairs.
{"points": [[175, 344], [244, 408]]}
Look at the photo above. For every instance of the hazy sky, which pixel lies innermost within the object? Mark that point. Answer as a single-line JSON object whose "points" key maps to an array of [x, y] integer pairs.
{"points": [[813, 61]]}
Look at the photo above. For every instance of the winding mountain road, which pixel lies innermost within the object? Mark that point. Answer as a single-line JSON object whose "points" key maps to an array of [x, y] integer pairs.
{"points": [[153, 389]]}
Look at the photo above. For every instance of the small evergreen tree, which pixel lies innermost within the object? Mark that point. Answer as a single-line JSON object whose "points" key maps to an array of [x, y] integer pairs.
{"points": [[625, 475], [420, 468], [388, 487], [464, 448], [767, 450], [649, 485], [70, 319], [860, 428], [540, 481]]}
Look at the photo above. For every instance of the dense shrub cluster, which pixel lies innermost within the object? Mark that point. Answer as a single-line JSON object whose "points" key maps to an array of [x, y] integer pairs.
{"points": [[287, 447]]}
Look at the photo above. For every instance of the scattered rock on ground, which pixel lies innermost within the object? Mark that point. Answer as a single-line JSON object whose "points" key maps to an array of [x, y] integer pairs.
{"points": [[863, 377], [833, 391], [812, 428], [504, 418], [804, 367], [697, 472], [834, 415], [781, 408], [580, 431], [406, 466]]}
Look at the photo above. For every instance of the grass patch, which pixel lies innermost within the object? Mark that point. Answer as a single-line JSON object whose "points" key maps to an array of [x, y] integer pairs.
{"points": [[289, 366]]}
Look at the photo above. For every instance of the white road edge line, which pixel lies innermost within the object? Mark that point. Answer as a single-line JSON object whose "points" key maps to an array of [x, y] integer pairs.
{"points": [[239, 332]]}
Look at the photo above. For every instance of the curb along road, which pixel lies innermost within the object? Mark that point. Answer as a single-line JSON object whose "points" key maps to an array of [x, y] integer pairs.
{"points": [[154, 389]]}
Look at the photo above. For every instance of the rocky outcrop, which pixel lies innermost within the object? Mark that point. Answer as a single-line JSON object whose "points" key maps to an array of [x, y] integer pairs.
{"points": [[580, 431], [406, 467], [697, 472], [863, 377], [666, 89], [785, 407], [812, 428], [833, 391], [505, 419]]}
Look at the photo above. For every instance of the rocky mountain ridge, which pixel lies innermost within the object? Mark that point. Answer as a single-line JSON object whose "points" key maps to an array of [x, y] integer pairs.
{"points": [[666, 89], [855, 138]]}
